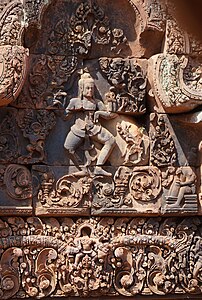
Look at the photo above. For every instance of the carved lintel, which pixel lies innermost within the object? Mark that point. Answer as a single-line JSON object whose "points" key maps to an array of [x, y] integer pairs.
{"points": [[89, 257]]}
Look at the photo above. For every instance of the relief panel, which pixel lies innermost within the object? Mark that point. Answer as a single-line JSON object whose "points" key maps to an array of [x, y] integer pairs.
{"points": [[100, 151], [129, 256], [118, 191], [174, 140], [78, 26], [61, 191], [88, 112], [121, 82], [130, 191], [179, 190]]}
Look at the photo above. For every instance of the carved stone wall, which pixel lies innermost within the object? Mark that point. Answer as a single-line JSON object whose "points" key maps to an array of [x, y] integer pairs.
{"points": [[100, 150]]}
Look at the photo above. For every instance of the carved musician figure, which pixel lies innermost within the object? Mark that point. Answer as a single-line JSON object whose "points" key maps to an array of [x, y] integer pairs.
{"points": [[88, 110]]}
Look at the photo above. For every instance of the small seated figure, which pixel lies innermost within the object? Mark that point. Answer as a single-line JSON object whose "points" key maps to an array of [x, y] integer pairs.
{"points": [[88, 110], [183, 184]]}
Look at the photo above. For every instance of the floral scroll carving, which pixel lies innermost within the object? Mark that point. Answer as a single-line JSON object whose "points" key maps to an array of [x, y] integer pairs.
{"points": [[130, 257], [16, 190], [10, 281], [13, 55], [100, 151], [128, 84], [68, 192], [18, 182], [75, 37], [131, 190]]}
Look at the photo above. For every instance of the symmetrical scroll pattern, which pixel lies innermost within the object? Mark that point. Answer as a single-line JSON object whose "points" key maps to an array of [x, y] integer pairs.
{"points": [[128, 256]]}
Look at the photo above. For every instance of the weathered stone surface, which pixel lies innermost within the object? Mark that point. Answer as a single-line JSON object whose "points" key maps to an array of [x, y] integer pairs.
{"points": [[80, 257], [13, 55], [102, 139], [175, 83], [9, 136], [66, 27], [174, 140], [130, 191], [46, 79], [187, 138], [178, 41], [61, 191], [23, 134]]}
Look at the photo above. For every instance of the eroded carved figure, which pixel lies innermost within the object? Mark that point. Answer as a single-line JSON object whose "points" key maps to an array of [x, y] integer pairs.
{"points": [[181, 194]]}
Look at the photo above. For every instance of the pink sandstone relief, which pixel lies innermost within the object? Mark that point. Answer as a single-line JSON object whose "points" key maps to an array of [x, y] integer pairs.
{"points": [[100, 150]]}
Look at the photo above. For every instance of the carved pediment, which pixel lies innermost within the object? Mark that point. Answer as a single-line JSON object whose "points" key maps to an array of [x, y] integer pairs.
{"points": [[100, 150]]}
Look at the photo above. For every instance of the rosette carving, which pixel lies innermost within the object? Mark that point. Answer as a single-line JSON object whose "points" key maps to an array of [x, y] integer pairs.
{"points": [[18, 182]]}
